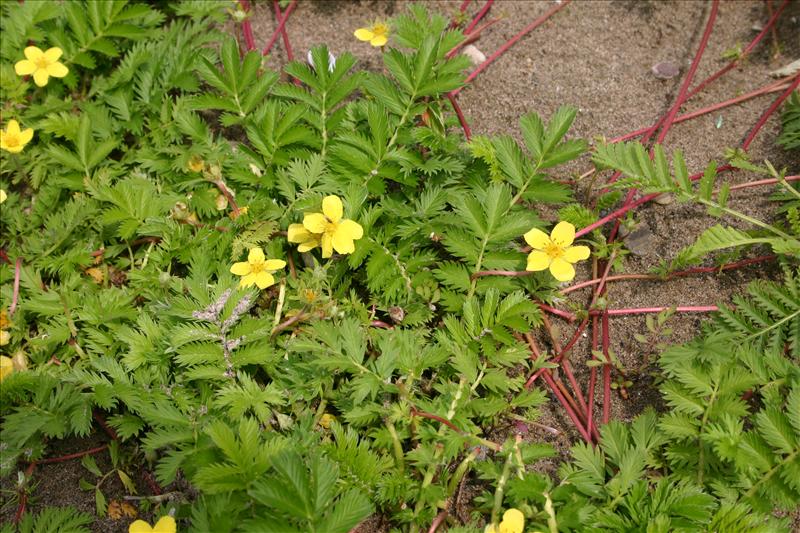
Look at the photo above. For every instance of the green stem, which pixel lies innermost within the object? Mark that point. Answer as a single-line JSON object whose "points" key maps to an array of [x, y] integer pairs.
{"points": [[773, 326], [701, 462], [771, 472], [396, 446], [501, 485], [746, 218]]}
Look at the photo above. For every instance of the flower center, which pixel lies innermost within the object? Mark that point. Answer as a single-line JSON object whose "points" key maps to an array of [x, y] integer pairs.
{"points": [[12, 141], [331, 226], [380, 29], [553, 250], [255, 268], [42, 63]]}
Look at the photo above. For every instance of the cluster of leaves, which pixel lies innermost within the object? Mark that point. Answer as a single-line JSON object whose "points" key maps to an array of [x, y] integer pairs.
{"points": [[297, 408]]}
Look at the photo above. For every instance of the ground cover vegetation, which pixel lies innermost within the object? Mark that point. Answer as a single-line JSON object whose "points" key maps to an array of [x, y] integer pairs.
{"points": [[309, 301]]}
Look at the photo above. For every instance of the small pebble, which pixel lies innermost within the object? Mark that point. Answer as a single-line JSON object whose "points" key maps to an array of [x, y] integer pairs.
{"points": [[664, 198], [640, 241], [476, 56], [665, 70]]}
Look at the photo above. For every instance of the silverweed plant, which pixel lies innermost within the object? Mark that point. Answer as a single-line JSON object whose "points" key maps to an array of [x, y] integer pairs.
{"points": [[370, 359]]}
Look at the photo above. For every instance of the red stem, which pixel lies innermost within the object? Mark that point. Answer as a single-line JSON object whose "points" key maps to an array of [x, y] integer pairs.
{"points": [[431, 416], [533, 25], [15, 295], [645, 310], [103, 424], [279, 29], [769, 88], [592, 378], [606, 341], [563, 401], [566, 315], [247, 28], [461, 118], [441, 517], [284, 35], [73, 455], [775, 105], [762, 182], [479, 16], [23, 498]]}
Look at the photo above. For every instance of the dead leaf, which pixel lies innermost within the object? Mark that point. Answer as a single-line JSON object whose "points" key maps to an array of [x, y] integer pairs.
{"points": [[118, 510], [96, 274]]}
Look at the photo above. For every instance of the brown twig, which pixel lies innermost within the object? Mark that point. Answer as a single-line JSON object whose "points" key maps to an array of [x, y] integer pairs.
{"points": [[15, 295], [288, 323], [72, 455]]}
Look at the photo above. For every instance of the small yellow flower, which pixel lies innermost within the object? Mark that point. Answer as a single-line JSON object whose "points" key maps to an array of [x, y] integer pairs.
{"points": [[377, 34], [3, 196], [257, 270], [336, 233], [41, 64], [307, 240], [166, 524], [555, 251], [196, 164], [5, 337], [14, 140], [326, 420], [6, 367], [513, 522]]}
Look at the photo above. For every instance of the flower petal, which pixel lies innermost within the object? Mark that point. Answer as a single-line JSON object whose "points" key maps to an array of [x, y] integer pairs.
{"points": [[573, 254], [562, 270], [363, 34], [24, 67], [52, 54], [12, 130], [351, 228], [274, 264], [514, 521], [342, 243], [248, 281], [327, 245], [25, 136], [40, 77], [255, 256], [332, 208], [6, 367], [140, 526], [537, 239], [298, 233], [378, 40], [3, 197], [57, 70], [563, 234], [32, 53], [166, 524], [241, 269], [537, 260], [308, 245], [315, 222], [264, 280]]}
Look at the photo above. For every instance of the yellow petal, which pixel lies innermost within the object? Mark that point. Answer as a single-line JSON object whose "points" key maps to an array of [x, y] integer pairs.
{"points": [[166, 524], [308, 245], [363, 34], [12, 129], [248, 281], [255, 256], [378, 40], [332, 208], [264, 280], [24, 67], [573, 254], [6, 367], [562, 270], [274, 264], [563, 234], [327, 245], [241, 269], [40, 77], [351, 228], [3, 197], [57, 70], [140, 526], [537, 239], [298, 233], [52, 54], [33, 53], [342, 243], [537, 260], [514, 521], [315, 222], [25, 136]]}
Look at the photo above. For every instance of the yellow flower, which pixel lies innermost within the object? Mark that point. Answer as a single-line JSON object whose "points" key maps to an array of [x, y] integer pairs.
{"points": [[513, 522], [5, 337], [6, 367], [14, 140], [257, 270], [555, 251], [3, 196], [195, 164], [41, 64], [307, 240], [377, 34], [336, 233], [166, 524], [326, 420]]}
